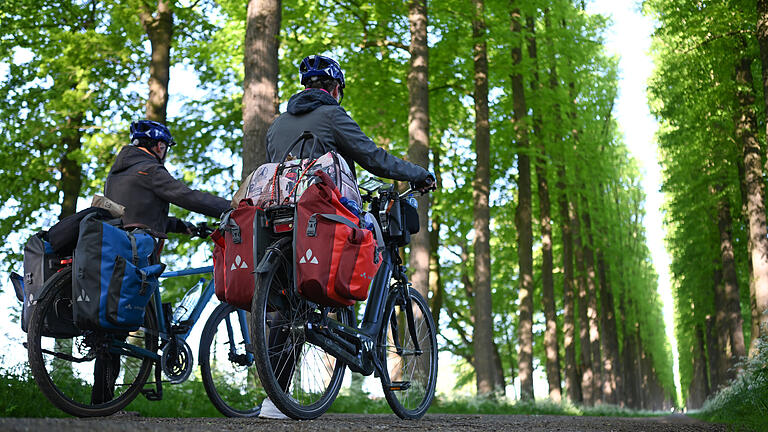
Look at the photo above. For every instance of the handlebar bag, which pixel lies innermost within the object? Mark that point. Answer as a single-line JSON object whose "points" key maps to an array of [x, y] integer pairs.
{"points": [[114, 274], [335, 260], [41, 263], [239, 242]]}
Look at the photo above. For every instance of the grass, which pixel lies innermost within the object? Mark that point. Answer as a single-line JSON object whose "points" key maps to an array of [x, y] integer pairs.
{"points": [[744, 403], [189, 400]]}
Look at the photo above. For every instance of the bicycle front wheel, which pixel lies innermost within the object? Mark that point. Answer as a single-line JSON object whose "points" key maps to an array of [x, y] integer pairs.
{"points": [[301, 379], [79, 374], [410, 367], [228, 370]]}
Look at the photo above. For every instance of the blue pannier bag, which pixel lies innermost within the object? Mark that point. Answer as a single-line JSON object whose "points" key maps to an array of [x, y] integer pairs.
{"points": [[114, 274]]}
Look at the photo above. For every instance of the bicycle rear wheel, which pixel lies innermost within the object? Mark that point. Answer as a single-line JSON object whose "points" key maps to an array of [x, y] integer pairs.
{"points": [[412, 373], [229, 372], [301, 379], [78, 374]]}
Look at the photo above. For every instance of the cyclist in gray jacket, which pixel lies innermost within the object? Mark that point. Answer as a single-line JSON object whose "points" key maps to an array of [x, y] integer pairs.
{"points": [[139, 181], [317, 109]]}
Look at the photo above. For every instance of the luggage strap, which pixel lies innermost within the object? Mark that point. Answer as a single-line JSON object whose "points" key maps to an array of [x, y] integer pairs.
{"points": [[228, 224], [312, 229], [134, 250]]}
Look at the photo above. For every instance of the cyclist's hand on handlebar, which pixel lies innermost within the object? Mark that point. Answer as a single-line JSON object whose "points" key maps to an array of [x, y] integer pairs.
{"points": [[202, 230], [425, 185]]}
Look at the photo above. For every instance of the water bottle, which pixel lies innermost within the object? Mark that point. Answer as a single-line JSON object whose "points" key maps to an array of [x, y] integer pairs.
{"points": [[412, 201], [188, 303], [351, 206]]}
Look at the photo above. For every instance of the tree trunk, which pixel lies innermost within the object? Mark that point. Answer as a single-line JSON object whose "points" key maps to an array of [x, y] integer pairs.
{"points": [[698, 390], [630, 356], [730, 281], [611, 374], [551, 345], [755, 330], [592, 311], [262, 67], [572, 381], [746, 130], [159, 28], [483, 337], [435, 279], [587, 374], [418, 135], [523, 218], [725, 351], [713, 354], [71, 171], [759, 299]]}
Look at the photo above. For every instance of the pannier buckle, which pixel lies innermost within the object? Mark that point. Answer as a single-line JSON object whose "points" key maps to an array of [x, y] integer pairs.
{"points": [[236, 235], [312, 226]]}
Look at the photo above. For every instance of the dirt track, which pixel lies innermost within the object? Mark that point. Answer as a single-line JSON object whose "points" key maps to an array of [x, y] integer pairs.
{"points": [[357, 422]]}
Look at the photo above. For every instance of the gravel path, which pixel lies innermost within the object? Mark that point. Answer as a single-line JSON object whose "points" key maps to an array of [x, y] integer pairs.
{"points": [[358, 422]]}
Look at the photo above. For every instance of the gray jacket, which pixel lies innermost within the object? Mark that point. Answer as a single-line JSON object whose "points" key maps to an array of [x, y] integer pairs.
{"points": [[316, 111], [140, 182]]}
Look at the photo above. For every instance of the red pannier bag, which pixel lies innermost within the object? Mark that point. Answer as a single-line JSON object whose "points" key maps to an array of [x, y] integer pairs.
{"points": [[335, 260], [234, 256]]}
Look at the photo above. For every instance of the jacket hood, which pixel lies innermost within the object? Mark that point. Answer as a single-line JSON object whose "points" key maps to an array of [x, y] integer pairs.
{"points": [[309, 100], [130, 156]]}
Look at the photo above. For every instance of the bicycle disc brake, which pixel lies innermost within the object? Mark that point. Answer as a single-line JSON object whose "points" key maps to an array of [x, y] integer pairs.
{"points": [[176, 361]]}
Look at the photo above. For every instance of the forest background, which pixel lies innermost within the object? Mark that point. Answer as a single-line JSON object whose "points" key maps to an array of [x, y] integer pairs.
{"points": [[533, 251]]}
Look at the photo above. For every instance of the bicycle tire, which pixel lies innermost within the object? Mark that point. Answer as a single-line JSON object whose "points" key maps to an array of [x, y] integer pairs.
{"points": [[229, 377], [311, 378], [413, 378], [67, 384]]}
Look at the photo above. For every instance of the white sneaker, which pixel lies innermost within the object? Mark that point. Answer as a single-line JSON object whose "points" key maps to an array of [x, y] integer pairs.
{"points": [[270, 411]]}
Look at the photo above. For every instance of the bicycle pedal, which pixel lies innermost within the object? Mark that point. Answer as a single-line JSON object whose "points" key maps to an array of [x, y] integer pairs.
{"points": [[152, 395], [400, 385]]}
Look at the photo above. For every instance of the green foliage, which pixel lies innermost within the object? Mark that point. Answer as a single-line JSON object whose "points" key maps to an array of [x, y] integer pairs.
{"points": [[20, 395], [570, 87], [745, 401], [692, 93]]}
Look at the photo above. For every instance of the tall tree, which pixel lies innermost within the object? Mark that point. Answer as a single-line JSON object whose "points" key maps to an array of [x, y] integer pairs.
{"points": [[483, 310], [746, 131], [158, 24], [418, 135], [545, 222], [732, 298], [759, 288], [523, 217], [260, 97]]}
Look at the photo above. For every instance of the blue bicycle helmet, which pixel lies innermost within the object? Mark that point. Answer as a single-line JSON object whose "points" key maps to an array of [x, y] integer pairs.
{"points": [[317, 65], [148, 132]]}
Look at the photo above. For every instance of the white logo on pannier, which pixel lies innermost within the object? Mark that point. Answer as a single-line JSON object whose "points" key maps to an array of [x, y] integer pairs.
{"points": [[308, 258], [83, 297], [239, 264]]}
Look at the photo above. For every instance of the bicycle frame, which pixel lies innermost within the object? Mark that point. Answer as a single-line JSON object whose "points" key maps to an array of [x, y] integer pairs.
{"points": [[165, 332], [362, 356]]}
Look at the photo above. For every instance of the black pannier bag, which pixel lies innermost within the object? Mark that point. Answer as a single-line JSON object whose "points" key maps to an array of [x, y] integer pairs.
{"points": [[114, 274], [402, 220], [63, 235], [40, 264]]}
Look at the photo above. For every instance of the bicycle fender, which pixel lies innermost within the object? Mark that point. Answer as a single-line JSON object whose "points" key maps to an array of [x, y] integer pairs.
{"points": [[47, 287], [272, 255]]}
